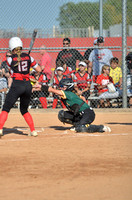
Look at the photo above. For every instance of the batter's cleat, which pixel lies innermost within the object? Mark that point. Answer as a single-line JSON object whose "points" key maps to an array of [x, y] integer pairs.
{"points": [[33, 133], [1, 132], [106, 129]]}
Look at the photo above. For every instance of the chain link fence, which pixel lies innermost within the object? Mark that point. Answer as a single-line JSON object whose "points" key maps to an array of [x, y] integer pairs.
{"points": [[80, 21]]}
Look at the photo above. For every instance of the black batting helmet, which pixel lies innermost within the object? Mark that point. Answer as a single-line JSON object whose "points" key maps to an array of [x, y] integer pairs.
{"points": [[68, 82]]}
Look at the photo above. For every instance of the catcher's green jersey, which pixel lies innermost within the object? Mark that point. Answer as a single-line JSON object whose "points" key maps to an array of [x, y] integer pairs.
{"points": [[71, 98]]}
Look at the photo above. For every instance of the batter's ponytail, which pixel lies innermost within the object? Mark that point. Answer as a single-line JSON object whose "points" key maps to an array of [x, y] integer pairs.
{"points": [[18, 52]]}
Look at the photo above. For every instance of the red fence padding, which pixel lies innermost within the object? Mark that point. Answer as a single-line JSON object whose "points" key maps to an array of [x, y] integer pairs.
{"points": [[57, 42]]}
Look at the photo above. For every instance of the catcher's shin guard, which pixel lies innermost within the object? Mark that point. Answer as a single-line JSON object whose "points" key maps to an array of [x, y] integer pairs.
{"points": [[95, 128], [92, 128], [63, 119], [82, 128]]}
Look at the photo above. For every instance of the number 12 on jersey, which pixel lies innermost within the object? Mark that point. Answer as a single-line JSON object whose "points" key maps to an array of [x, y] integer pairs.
{"points": [[22, 66]]}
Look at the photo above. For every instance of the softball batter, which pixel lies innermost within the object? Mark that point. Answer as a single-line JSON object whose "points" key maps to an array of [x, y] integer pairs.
{"points": [[19, 65]]}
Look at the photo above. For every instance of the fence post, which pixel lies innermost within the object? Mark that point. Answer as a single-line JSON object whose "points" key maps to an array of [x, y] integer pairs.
{"points": [[101, 18], [124, 50]]}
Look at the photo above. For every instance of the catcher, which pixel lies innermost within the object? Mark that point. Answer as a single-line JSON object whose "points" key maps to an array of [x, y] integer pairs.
{"points": [[79, 113]]}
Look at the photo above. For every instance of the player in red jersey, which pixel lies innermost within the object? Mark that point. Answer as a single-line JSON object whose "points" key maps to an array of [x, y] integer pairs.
{"points": [[67, 71], [19, 65], [57, 78], [82, 81], [39, 77]]}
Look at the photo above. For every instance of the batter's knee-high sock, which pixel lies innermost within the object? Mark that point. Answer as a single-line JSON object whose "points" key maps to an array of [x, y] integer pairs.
{"points": [[43, 101], [3, 118], [55, 101], [28, 118]]}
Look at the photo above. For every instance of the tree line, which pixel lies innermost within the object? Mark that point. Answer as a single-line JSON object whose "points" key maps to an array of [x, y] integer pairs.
{"points": [[85, 14]]}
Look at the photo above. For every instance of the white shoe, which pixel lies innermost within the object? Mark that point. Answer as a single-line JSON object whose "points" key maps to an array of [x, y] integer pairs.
{"points": [[1, 132], [106, 129], [72, 129], [33, 133]]}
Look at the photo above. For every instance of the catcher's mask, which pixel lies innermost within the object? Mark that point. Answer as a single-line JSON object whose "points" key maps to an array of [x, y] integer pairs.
{"points": [[68, 82]]}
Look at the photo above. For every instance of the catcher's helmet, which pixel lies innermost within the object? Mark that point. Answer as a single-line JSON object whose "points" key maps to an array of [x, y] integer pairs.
{"points": [[68, 82]]}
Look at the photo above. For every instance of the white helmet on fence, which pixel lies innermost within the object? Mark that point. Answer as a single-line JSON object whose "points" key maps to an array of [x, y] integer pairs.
{"points": [[15, 42]]}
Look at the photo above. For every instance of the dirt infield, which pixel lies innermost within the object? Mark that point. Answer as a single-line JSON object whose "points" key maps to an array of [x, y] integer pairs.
{"points": [[61, 165]]}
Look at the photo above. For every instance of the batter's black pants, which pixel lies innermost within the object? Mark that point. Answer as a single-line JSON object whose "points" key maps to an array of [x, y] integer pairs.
{"points": [[22, 89]]}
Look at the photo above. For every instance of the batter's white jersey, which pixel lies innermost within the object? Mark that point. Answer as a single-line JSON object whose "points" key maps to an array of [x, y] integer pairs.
{"points": [[100, 57]]}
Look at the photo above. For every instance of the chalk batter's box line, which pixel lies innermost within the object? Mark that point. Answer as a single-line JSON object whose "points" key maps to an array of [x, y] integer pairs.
{"points": [[75, 135], [85, 134], [71, 134]]}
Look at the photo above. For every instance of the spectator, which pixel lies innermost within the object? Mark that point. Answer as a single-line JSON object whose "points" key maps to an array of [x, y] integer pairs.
{"points": [[82, 81], [3, 82], [102, 81], [115, 71], [86, 55], [45, 62], [57, 78], [40, 78], [99, 57], [3, 87], [5, 68], [95, 42], [129, 77], [69, 55], [67, 71]]}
